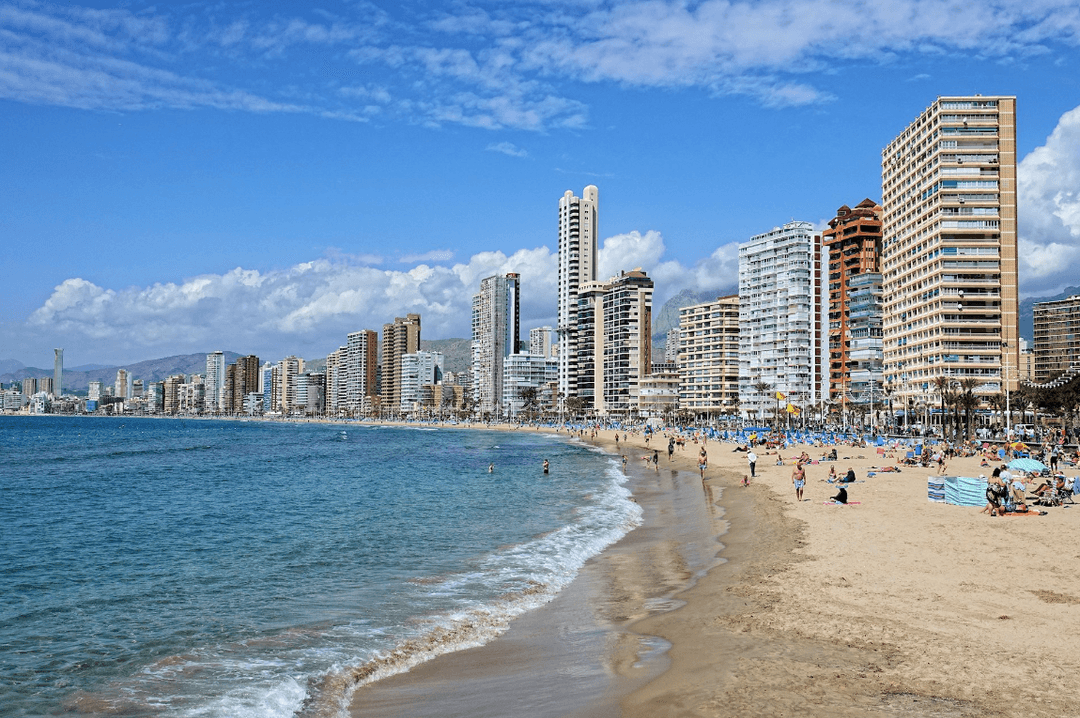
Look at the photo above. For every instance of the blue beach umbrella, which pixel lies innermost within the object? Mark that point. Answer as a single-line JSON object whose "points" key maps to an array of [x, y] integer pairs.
{"points": [[1028, 465]]}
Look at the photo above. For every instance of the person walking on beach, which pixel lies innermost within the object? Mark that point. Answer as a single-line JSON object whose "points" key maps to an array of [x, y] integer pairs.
{"points": [[670, 448], [656, 460], [798, 477], [751, 458], [702, 463], [624, 463]]}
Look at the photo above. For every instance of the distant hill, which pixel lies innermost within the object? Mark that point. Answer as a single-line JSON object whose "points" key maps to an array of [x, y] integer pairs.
{"points": [[457, 353], [1026, 318], [668, 316], [149, 370], [10, 366]]}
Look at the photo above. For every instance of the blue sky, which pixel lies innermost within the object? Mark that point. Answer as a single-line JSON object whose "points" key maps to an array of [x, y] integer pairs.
{"points": [[266, 177]]}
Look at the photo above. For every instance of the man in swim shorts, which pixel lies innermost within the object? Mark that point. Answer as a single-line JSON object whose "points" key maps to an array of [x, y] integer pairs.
{"points": [[798, 477]]}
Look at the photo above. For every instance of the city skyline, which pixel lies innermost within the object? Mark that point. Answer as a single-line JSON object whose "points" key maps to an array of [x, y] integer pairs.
{"points": [[272, 180]]}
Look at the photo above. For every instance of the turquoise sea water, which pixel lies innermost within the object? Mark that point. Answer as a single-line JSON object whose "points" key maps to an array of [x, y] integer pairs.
{"points": [[204, 568]]}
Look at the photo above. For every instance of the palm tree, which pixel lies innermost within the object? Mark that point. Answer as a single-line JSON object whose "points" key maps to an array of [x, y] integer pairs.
{"points": [[574, 405], [969, 401], [941, 385], [763, 388], [528, 396]]}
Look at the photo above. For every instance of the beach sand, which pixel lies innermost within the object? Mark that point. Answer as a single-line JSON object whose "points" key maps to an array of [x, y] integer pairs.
{"points": [[894, 605]]}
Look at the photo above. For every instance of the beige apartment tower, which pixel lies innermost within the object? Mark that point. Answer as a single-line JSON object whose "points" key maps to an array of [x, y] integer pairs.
{"points": [[949, 248], [709, 357], [400, 338]]}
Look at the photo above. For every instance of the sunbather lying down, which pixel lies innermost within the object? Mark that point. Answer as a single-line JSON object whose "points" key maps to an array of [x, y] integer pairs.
{"points": [[885, 469]]}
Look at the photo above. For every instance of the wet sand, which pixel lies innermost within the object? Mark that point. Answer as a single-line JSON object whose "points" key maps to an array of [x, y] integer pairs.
{"points": [[576, 656]]}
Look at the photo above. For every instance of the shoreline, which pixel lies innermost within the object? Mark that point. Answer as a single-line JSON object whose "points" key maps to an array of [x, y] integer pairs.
{"points": [[891, 605]]}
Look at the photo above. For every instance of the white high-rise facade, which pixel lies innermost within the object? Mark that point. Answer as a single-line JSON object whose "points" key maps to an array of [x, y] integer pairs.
{"points": [[949, 248], [496, 334], [214, 397], [783, 309], [578, 229], [361, 362], [418, 370], [541, 341]]}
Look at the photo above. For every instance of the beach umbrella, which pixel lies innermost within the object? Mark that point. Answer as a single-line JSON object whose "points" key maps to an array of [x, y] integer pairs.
{"points": [[1028, 465]]}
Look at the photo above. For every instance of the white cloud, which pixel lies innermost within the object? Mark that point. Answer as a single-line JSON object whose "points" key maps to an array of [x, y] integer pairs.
{"points": [[1048, 189], [309, 308], [512, 65], [507, 148], [306, 308]]}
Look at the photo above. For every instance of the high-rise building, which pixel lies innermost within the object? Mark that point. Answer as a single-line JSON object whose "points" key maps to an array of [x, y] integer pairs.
{"points": [[120, 387], [45, 384], [671, 346], [361, 365], [855, 304], [614, 342], [578, 230], [496, 331], [400, 338], [58, 372], [170, 394], [1057, 339], [949, 247], [287, 371], [94, 390], [418, 370], [708, 362], [337, 376], [29, 386], [542, 341], [782, 314], [214, 383], [529, 371], [266, 386], [241, 378]]}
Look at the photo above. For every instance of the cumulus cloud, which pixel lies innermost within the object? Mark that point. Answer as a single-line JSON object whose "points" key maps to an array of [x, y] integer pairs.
{"points": [[308, 308], [1048, 189]]}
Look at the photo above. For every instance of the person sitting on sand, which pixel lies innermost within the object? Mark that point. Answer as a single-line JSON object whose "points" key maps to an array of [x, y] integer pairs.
{"points": [[832, 475], [849, 477], [841, 496], [746, 480], [995, 492], [1059, 484]]}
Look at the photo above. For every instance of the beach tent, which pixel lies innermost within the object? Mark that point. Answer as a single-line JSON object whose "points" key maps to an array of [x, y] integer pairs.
{"points": [[956, 490]]}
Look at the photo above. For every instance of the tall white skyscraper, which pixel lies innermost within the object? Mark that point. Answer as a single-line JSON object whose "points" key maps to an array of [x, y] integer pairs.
{"points": [[214, 383], [361, 362], [578, 229], [949, 281], [496, 323], [783, 309]]}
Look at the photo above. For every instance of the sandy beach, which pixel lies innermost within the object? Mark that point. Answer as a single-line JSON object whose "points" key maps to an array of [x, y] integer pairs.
{"points": [[892, 605]]}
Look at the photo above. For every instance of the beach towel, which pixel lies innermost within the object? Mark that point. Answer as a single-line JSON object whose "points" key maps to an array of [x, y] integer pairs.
{"points": [[833, 503]]}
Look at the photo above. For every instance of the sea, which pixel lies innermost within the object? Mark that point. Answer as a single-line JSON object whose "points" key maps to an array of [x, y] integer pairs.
{"points": [[201, 568]]}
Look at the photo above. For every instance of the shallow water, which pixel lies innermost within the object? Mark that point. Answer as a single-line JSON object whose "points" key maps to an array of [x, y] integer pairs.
{"points": [[204, 568]]}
